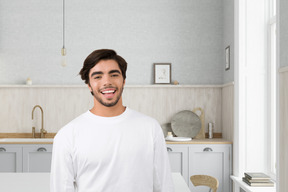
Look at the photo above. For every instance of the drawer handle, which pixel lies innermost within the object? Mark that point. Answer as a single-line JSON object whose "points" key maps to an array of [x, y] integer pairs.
{"points": [[169, 149], [207, 149], [42, 149], [2, 149]]}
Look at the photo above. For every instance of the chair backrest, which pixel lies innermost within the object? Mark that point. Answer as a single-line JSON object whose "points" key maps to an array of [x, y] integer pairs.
{"points": [[205, 180]]}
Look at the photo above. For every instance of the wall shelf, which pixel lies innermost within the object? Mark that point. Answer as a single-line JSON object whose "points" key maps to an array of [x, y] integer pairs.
{"points": [[127, 86]]}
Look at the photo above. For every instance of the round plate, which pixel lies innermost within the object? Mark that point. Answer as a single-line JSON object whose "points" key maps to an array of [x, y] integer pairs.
{"points": [[186, 124]]}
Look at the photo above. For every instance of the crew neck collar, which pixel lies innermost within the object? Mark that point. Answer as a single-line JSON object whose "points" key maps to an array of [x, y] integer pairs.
{"points": [[122, 115]]}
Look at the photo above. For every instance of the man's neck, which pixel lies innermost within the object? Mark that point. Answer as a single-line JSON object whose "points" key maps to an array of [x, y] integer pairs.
{"points": [[101, 110]]}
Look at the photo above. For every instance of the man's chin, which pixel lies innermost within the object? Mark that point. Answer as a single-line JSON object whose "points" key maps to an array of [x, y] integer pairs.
{"points": [[109, 104]]}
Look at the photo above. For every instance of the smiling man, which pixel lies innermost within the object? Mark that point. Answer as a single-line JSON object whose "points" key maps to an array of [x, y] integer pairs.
{"points": [[106, 85], [110, 147]]}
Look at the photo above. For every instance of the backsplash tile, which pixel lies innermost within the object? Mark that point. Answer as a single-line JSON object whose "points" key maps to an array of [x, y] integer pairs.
{"points": [[62, 104]]}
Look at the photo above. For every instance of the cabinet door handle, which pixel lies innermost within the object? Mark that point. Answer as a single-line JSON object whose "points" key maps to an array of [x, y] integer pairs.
{"points": [[41, 149], [2, 149], [169, 149], [207, 149]]}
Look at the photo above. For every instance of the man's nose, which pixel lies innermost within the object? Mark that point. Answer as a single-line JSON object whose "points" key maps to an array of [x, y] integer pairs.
{"points": [[106, 80]]}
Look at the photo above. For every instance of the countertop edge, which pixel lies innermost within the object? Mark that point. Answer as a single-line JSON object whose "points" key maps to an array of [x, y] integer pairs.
{"points": [[51, 135], [12, 142], [167, 142], [201, 141]]}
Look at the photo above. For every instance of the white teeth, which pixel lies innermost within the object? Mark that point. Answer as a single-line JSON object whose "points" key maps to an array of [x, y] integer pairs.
{"points": [[110, 91]]}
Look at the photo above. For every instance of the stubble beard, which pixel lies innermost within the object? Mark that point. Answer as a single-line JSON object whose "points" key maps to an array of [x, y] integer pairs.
{"points": [[108, 104]]}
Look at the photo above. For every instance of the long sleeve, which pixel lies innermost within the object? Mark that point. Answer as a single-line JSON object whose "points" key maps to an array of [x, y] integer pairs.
{"points": [[111, 154], [162, 171], [62, 174]]}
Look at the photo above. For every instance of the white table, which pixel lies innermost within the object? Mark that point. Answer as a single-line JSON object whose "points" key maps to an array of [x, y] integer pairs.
{"points": [[179, 183], [36, 182]]}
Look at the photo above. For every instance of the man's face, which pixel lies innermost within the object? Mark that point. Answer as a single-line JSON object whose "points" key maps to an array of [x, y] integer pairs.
{"points": [[106, 82]]}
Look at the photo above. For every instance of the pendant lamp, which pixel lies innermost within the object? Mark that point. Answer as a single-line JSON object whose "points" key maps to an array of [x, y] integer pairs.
{"points": [[63, 50]]}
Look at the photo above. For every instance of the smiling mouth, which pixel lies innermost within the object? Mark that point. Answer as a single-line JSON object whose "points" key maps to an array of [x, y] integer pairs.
{"points": [[108, 93]]}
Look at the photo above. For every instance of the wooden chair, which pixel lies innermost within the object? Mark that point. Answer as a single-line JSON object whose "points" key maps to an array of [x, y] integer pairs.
{"points": [[205, 180]]}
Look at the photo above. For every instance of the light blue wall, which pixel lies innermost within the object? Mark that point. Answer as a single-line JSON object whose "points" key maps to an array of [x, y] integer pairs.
{"points": [[186, 33], [283, 33], [228, 37]]}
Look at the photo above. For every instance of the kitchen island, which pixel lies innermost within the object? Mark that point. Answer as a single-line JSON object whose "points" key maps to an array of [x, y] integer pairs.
{"points": [[35, 182]]}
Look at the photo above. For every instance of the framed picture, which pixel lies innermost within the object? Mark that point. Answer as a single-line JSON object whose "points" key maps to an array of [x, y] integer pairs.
{"points": [[227, 58], [162, 73]]}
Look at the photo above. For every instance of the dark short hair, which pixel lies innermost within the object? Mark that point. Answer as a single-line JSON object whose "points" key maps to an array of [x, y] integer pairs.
{"points": [[98, 55]]}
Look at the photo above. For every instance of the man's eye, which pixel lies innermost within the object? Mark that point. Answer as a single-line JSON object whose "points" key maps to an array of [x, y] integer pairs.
{"points": [[115, 75], [97, 77]]}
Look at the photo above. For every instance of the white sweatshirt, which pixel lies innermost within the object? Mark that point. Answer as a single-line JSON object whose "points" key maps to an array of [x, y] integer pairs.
{"points": [[126, 153]]}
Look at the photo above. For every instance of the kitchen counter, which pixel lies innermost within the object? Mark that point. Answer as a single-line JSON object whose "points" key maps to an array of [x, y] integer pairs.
{"points": [[25, 142], [202, 141], [50, 141], [51, 135], [35, 182], [25, 138], [194, 141]]}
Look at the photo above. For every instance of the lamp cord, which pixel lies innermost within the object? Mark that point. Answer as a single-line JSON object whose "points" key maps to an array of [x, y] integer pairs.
{"points": [[63, 23]]}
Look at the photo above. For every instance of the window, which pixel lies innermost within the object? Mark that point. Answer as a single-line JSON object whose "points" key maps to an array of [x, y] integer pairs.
{"points": [[255, 87], [272, 90]]}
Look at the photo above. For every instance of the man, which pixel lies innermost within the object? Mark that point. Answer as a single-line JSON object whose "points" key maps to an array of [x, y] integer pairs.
{"points": [[110, 147]]}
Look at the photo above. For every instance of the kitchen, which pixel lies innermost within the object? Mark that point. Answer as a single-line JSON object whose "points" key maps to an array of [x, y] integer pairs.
{"points": [[190, 35]]}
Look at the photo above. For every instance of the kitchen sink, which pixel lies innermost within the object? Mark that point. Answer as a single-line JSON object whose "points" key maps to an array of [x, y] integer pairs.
{"points": [[24, 140]]}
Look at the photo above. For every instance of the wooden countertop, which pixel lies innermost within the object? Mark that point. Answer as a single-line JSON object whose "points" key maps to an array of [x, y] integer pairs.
{"points": [[51, 135], [202, 141], [35, 142], [25, 135], [195, 141]]}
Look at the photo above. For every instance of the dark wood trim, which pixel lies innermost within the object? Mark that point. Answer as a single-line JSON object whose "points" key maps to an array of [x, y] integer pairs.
{"points": [[215, 135]]}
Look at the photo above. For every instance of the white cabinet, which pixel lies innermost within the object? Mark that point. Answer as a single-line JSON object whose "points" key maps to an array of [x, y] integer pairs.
{"points": [[178, 157], [214, 160], [10, 158], [25, 157], [206, 159], [37, 158]]}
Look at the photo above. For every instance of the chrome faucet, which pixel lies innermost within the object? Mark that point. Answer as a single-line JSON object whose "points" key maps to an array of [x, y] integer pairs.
{"points": [[42, 130]]}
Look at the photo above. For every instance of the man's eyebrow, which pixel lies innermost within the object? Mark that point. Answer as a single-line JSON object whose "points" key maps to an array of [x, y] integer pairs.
{"points": [[101, 73], [96, 73], [114, 71]]}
